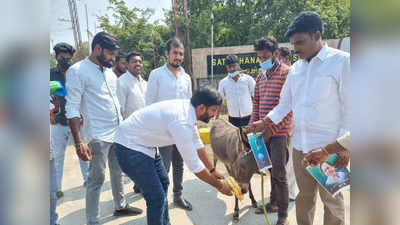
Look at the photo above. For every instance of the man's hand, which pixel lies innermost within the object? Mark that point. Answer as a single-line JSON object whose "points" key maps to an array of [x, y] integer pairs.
{"points": [[225, 189], [56, 102], [256, 126], [267, 133], [83, 152], [52, 120], [217, 175], [315, 157], [343, 158]]}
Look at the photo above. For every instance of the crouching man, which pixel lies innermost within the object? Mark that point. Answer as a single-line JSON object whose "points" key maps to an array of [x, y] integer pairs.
{"points": [[161, 124]]}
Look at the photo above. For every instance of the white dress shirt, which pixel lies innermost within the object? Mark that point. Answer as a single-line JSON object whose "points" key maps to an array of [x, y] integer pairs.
{"points": [[238, 94], [131, 93], [163, 85], [316, 93], [94, 94], [162, 124]]}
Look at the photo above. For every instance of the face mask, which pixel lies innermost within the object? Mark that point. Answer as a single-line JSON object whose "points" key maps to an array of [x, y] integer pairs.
{"points": [[267, 64], [64, 63], [232, 75]]}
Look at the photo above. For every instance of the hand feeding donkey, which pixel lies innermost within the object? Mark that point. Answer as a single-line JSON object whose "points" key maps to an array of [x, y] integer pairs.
{"points": [[230, 145]]}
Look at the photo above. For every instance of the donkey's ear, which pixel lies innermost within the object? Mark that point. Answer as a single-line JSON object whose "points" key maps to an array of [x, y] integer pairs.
{"points": [[245, 129]]}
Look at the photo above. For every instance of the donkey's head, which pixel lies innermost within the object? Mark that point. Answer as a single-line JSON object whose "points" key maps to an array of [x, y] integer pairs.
{"points": [[245, 165], [244, 138]]}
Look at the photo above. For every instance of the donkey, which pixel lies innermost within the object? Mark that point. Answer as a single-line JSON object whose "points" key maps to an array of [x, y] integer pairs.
{"points": [[231, 146]]}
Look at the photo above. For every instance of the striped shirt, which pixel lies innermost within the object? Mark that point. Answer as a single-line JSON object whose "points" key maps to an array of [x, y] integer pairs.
{"points": [[266, 97]]}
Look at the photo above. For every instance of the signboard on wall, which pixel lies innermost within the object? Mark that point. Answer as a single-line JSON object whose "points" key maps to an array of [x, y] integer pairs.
{"points": [[248, 64]]}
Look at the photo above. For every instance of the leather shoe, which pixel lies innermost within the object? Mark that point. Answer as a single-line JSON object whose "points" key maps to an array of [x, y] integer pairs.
{"points": [[128, 211], [183, 203]]}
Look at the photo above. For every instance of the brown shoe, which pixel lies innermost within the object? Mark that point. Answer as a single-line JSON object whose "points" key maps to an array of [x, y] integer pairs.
{"points": [[269, 207]]}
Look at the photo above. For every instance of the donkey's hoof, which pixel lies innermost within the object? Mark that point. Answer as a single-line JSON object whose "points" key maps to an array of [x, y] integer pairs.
{"points": [[254, 205], [236, 217]]}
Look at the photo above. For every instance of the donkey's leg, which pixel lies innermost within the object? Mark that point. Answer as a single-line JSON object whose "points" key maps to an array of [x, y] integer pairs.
{"points": [[236, 212], [253, 201]]}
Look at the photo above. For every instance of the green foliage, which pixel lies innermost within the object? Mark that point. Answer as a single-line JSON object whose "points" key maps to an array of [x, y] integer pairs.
{"points": [[240, 22], [236, 22], [53, 61], [134, 32]]}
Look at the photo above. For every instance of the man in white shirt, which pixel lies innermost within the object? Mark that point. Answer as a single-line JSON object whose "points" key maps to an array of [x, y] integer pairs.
{"points": [[171, 82], [285, 57], [91, 89], [161, 124], [238, 90], [131, 89], [120, 64], [315, 92]]}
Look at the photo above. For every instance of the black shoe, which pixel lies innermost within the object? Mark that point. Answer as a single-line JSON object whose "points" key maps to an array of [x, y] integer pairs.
{"points": [[128, 211], [136, 189], [59, 194], [84, 183], [269, 207], [183, 203], [282, 221]]}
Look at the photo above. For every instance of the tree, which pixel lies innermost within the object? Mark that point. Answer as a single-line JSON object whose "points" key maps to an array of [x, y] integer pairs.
{"points": [[53, 61], [240, 22], [236, 22], [134, 32]]}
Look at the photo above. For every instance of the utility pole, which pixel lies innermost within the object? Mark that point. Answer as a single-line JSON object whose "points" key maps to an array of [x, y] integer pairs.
{"points": [[212, 48], [87, 29], [75, 25], [188, 55], [175, 21]]}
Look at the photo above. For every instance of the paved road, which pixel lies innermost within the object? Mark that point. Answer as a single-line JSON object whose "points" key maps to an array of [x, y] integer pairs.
{"points": [[210, 207]]}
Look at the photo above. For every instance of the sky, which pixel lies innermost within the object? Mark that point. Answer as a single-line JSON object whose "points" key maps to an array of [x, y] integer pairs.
{"points": [[62, 31]]}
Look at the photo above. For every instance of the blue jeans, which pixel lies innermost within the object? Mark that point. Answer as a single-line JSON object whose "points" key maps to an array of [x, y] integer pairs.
{"points": [[58, 142], [53, 190], [151, 177]]}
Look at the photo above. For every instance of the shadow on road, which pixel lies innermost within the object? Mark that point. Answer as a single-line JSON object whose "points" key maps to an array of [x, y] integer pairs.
{"points": [[106, 207]]}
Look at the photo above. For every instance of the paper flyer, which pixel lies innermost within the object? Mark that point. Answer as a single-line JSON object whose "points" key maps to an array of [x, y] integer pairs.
{"points": [[259, 150], [332, 179]]}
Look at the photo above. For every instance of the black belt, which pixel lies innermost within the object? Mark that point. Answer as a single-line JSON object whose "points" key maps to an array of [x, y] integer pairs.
{"points": [[244, 117]]}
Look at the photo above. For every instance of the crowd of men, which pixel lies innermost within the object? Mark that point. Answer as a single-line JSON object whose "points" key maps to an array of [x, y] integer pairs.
{"points": [[141, 127]]}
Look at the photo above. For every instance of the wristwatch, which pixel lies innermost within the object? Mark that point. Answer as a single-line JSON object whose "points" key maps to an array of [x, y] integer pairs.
{"points": [[212, 170]]}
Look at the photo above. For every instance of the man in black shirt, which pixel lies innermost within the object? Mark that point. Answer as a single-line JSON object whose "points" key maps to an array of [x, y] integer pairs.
{"points": [[60, 131]]}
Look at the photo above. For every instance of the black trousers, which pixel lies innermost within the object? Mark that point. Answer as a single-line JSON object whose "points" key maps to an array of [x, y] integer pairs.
{"points": [[278, 148], [239, 122]]}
